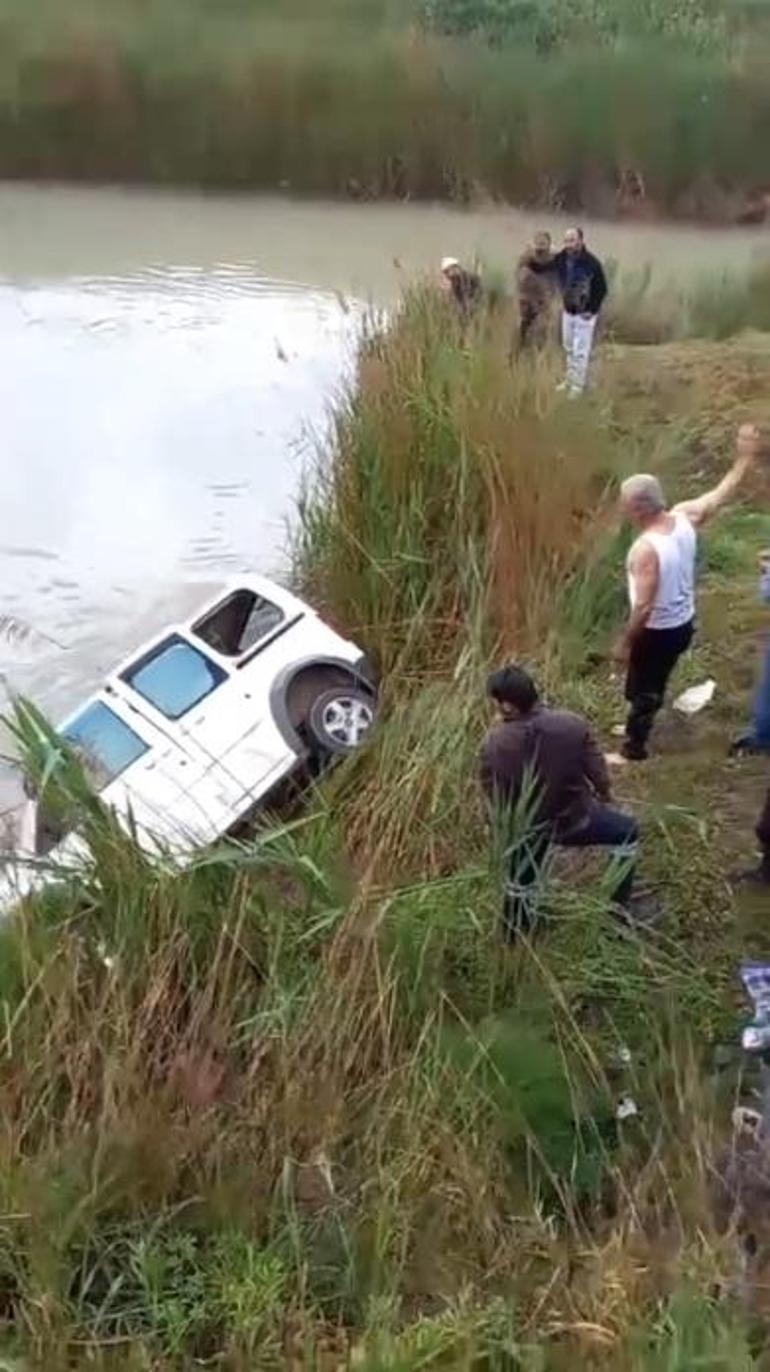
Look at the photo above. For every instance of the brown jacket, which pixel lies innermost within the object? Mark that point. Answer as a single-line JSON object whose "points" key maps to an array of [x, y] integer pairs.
{"points": [[559, 752], [536, 289]]}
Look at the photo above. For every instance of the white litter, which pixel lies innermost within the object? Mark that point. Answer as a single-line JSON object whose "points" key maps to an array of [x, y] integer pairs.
{"points": [[618, 730], [615, 760], [691, 701], [627, 1108]]}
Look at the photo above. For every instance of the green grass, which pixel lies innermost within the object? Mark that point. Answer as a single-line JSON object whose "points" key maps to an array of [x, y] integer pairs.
{"points": [[296, 1106], [712, 306], [548, 26], [593, 105]]}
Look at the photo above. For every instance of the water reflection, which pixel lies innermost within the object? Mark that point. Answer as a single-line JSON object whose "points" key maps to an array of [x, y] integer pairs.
{"points": [[161, 368], [155, 423]]}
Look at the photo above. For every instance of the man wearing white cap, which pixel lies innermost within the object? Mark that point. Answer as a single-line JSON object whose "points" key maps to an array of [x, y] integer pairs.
{"points": [[462, 285]]}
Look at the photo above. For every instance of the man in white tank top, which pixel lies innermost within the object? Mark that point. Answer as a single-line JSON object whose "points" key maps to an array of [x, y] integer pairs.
{"points": [[661, 585]]}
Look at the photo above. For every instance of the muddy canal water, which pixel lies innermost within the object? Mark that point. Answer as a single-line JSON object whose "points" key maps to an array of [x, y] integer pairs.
{"points": [[167, 366]]}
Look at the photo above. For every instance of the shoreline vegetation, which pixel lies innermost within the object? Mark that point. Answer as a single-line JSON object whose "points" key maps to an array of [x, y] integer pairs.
{"points": [[295, 1107], [639, 108]]}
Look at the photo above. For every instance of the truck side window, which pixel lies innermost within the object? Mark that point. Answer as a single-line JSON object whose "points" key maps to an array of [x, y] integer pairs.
{"points": [[174, 677], [238, 623], [105, 744]]}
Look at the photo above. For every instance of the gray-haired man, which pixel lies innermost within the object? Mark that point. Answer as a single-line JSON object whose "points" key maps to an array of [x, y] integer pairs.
{"points": [[661, 585]]}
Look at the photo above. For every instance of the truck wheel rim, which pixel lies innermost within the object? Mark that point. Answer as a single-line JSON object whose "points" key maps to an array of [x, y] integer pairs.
{"points": [[346, 719]]}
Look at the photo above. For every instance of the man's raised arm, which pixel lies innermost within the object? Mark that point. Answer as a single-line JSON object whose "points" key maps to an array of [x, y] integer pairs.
{"points": [[747, 450]]}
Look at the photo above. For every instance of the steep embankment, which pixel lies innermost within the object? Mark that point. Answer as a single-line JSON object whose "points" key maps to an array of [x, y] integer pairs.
{"points": [[298, 1107]]}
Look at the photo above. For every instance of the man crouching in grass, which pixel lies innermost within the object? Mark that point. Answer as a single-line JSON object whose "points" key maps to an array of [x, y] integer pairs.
{"points": [[548, 763]]}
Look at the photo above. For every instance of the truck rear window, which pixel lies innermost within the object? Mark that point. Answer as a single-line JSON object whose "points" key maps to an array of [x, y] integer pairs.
{"points": [[105, 744], [238, 623]]}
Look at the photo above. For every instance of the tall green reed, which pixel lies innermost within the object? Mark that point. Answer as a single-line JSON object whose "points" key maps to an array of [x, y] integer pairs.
{"points": [[364, 102], [458, 498]]}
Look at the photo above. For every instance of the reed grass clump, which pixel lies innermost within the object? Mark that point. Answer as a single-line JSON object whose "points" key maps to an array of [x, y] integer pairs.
{"points": [[630, 109], [713, 306], [459, 500]]}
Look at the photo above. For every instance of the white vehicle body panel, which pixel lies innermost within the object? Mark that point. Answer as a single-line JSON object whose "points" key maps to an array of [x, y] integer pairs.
{"points": [[200, 773]]}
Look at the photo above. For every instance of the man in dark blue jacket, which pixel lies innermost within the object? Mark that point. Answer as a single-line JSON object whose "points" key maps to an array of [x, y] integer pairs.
{"points": [[583, 287]]}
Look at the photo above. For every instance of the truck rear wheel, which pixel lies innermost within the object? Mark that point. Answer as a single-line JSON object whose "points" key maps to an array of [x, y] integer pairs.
{"points": [[340, 719]]}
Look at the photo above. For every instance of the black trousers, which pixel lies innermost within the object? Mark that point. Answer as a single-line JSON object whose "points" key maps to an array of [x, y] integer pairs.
{"points": [[654, 656]]}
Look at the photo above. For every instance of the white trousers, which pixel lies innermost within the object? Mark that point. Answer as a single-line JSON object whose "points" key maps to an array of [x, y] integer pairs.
{"points": [[577, 336]]}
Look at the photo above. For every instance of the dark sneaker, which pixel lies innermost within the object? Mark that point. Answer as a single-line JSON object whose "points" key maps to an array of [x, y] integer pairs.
{"points": [[633, 754], [746, 746]]}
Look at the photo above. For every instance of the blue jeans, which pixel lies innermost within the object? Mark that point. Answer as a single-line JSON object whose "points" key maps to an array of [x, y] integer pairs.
{"points": [[606, 828], [760, 730]]}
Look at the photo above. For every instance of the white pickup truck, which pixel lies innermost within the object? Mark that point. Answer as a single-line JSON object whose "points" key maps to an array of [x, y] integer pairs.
{"points": [[188, 736]]}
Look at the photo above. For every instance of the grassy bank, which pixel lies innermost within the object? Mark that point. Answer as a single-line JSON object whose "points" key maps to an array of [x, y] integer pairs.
{"points": [[297, 1107], [612, 108], [713, 306]]}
